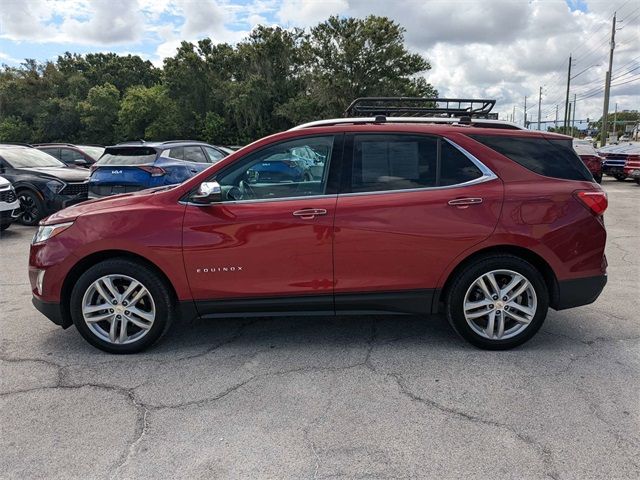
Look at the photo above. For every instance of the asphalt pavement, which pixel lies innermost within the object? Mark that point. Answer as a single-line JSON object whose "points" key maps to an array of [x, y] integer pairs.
{"points": [[347, 397]]}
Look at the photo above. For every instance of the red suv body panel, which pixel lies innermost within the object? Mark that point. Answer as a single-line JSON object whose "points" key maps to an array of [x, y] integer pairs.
{"points": [[396, 241]]}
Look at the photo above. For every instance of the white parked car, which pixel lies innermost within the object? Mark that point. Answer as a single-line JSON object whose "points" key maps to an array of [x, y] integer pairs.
{"points": [[9, 204]]}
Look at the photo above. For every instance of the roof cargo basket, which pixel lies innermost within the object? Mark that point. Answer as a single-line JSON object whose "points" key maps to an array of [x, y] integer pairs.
{"points": [[420, 107]]}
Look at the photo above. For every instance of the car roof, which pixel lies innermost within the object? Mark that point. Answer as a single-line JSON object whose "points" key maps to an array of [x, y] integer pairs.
{"points": [[142, 143], [475, 122]]}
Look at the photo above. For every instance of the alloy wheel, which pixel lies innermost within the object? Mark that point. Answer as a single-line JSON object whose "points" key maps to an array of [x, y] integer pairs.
{"points": [[29, 208], [500, 304], [118, 309]]}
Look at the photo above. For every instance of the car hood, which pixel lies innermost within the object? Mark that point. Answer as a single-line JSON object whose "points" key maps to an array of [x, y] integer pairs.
{"points": [[62, 173], [90, 206]]}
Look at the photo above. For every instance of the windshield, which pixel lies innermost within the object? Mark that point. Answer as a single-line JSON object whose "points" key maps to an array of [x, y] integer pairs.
{"points": [[128, 156], [93, 152], [29, 157]]}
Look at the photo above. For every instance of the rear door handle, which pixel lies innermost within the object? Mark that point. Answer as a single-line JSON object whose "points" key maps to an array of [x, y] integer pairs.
{"points": [[465, 202], [309, 213]]}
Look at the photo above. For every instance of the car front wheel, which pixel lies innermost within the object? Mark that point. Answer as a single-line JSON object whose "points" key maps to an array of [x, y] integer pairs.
{"points": [[498, 302], [31, 206], [121, 306]]}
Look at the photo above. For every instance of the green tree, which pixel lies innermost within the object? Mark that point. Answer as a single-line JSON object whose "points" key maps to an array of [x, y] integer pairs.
{"points": [[14, 129], [99, 114], [349, 58], [147, 113]]}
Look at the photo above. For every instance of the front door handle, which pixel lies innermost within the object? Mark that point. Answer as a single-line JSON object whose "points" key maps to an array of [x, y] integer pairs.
{"points": [[465, 202], [309, 213]]}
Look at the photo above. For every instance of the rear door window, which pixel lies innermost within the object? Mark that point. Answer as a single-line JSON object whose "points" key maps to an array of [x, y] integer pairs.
{"points": [[177, 153], [403, 162], [214, 155], [194, 154], [67, 155], [549, 157]]}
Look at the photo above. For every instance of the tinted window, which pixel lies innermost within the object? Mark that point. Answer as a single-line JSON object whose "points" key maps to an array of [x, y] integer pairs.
{"points": [[274, 173], [455, 167], [549, 157], [128, 156], [194, 154], [69, 156], [393, 162], [29, 157], [214, 154], [51, 151], [177, 153]]}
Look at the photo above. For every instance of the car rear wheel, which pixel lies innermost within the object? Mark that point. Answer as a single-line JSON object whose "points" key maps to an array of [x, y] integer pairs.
{"points": [[121, 306], [620, 178], [498, 302], [31, 207], [598, 178]]}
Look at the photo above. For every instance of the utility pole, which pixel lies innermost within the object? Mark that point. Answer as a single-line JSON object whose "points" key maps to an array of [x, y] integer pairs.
{"points": [[525, 113], [513, 115], [573, 123], [539, 106], [607, 85], [556, 122], [566, 102]]}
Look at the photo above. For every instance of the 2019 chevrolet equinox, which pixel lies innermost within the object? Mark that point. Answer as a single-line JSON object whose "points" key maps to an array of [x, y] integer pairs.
{"points": [[491, 226]]}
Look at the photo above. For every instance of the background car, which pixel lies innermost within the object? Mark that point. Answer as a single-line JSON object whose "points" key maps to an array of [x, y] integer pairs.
{"points": [[589, 157], [73, 155], [132, 166], [9, 204], [616, 157], [43, 183], [300, 164]]}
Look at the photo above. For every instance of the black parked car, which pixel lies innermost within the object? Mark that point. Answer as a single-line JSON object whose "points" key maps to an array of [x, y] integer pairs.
{"points": [[44, 184], [73, 155]]}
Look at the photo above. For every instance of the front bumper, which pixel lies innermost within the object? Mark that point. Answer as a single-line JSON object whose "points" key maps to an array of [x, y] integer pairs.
{"points": [[579, 291], [53, 311]]}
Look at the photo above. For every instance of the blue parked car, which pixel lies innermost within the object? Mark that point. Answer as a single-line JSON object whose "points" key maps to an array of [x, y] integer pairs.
{"points": [[299, 164], [132, 166]]}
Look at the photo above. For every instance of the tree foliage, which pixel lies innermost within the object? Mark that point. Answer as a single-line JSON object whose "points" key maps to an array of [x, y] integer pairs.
{"points": [[225, 94]]}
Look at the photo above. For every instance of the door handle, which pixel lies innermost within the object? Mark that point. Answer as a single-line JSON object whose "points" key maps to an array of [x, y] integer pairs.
{"points": [[465, 202], [309, 213]]}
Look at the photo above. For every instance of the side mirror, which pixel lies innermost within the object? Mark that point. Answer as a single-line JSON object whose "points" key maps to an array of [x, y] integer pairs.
{"points": [[207, 193]]}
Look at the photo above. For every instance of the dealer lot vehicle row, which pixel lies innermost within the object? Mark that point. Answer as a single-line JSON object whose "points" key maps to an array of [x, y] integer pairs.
{"points": [[490, 225]]}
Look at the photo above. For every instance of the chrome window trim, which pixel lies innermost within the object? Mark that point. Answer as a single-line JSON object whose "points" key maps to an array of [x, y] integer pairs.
{"points": [[487, 176], [260, 200]]}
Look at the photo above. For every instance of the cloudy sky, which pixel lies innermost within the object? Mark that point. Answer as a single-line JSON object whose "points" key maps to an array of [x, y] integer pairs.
{"points": [[503, 49]]}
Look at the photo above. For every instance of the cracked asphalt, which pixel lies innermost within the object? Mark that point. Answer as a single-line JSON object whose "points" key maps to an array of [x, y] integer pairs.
{"points": [[348, 397]]}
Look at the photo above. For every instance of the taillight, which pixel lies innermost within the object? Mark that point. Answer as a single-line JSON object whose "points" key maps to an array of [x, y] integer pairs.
{"points": [[154, 171], [595, 201]]}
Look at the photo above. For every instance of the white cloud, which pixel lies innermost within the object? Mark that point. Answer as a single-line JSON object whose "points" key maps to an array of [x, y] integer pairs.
{"points": [[504, 49]]}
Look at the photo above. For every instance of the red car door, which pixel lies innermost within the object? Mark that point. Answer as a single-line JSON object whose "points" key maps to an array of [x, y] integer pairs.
{"points": [[268, 246], [410, 205]]}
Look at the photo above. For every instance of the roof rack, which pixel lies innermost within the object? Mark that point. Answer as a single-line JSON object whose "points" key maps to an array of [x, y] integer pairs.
{"points": [[476, 122], [53, 144], [17, 144], [182, 141], [419, 107]]}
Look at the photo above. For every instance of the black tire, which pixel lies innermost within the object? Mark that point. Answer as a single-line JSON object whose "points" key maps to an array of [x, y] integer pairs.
{"points": [[620, 178], [637, 180], [463, 280], [598, 178], [31, 206], [162, 298], [4, 226]]}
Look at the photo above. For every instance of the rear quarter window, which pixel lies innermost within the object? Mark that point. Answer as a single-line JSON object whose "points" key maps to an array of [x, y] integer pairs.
{"points": [[554, 158]]}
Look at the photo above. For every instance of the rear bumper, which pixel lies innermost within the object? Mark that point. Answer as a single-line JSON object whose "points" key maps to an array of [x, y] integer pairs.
{"points": [[579, 291], [53, 311]]}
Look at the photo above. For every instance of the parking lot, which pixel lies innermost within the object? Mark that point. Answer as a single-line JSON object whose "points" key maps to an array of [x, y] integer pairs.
{"points": [[347, 397]]}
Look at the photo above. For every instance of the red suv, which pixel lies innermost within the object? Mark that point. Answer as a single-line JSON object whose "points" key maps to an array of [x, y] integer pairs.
{"points": [[491, 226]]}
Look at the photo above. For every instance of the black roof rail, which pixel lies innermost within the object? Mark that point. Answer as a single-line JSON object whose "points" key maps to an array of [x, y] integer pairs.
{"points": [[53, 144], [419, 107], [183, 141]]}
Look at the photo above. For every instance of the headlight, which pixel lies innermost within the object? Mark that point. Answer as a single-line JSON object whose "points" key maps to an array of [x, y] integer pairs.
{"points": [[55, 186], [45, 232]]}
